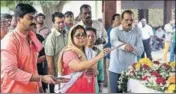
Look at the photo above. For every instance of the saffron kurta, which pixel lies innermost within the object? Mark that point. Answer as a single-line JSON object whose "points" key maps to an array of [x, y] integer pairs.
{"points": [[18, 63]]}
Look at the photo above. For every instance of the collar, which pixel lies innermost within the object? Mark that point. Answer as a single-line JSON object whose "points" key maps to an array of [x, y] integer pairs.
{"points": [[81, 23], [121, 28], [20, 33], [54, 30]]}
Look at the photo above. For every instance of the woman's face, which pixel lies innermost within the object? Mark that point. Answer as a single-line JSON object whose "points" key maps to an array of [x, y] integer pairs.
{"points": [[79, 38]]}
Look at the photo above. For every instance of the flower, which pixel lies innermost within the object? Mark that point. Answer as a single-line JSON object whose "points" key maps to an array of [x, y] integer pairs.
{"points": [[137, 66], [155, 73], [144, 78], [172, 79], [172, 64], [160, 80], [166, 66], [145, 66], [146, 61], [171, 88]]}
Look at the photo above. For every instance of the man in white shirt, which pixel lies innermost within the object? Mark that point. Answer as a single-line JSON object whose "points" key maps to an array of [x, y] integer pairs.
{"points": [[86, 21], [147, 33], [159, 37]]}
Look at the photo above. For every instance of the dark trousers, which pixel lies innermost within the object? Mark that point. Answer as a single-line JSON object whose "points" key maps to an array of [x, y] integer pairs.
{"points": [[51, 88], [147, 49], [42, 70], [113, 79]]}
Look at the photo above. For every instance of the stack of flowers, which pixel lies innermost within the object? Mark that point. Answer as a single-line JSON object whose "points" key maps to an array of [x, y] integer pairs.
{"points": [[154, 75]]}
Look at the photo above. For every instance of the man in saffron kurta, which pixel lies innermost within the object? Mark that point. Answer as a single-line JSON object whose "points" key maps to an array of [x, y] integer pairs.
{"points": [[19, 50]]}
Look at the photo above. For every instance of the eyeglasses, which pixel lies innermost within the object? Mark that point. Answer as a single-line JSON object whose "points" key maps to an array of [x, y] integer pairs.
{"points": [[80, 35]]}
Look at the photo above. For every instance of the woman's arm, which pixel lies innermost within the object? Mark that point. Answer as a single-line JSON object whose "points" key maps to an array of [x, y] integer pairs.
{"points": [[77, 65]]}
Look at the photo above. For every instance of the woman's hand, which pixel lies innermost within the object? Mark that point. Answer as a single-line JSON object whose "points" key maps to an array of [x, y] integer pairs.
{"points": [[104, 52], [92, 71]]}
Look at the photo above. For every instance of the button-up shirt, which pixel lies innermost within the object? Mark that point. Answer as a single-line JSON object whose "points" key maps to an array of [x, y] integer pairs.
{"points": [[146, 32], [19, 62], [120, 59], [54, 43]]}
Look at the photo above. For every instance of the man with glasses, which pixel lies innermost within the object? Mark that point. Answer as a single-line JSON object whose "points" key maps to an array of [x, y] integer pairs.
{"points": [[55, 42]]}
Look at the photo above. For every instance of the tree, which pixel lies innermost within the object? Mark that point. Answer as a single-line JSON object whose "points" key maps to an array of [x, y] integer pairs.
{"points": [[48, 7]]}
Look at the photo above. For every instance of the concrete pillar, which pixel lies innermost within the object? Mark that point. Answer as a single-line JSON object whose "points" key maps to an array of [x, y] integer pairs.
{"points": [[167, 11], [143, 13], [109, 9]]}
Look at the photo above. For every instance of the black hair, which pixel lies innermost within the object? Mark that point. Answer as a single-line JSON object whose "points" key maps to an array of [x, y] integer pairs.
{"points": [[6, 16], [91, 29], [69, 13], [84, 6], [128, 12], [113, 17], [57, 14], [76, 28], [39, 14], [23, 9]]}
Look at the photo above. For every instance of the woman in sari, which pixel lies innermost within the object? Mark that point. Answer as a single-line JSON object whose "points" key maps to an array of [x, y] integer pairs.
{"points": [[72, 61]]}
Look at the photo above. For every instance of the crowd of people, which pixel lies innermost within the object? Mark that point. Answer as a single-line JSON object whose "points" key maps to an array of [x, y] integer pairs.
{"points": [[36, 58]]}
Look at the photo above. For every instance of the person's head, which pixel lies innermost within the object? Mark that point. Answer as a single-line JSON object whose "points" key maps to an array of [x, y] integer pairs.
{"points": [[33, 27], [127, 19], [13, 22], [58, 20], [135, 22], [8, 18], [69, 17], [25, 16], [85, 13], [40, 18], [91, 36], [4, 22], [144, 22], [116, 21], [78, 36]]}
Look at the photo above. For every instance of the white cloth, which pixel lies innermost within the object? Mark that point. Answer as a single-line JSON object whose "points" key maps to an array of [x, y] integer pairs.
{"points": [[90, 53], [160, 34], [146, 31], [65, 86], [168, 28], [136, 86]]}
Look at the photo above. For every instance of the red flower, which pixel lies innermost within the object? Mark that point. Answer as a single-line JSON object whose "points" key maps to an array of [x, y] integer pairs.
{"points": [[166, 66], [145, 78], [155, 73], [160, 80], [145, 66]]}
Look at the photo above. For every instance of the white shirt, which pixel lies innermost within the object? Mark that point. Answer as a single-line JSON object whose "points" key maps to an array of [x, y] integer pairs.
{"points": [[160, 34], [146, 32]]}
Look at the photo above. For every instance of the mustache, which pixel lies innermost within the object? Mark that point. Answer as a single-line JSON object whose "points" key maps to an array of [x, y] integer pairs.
{"points": [[88, 17], [129, 24]]}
